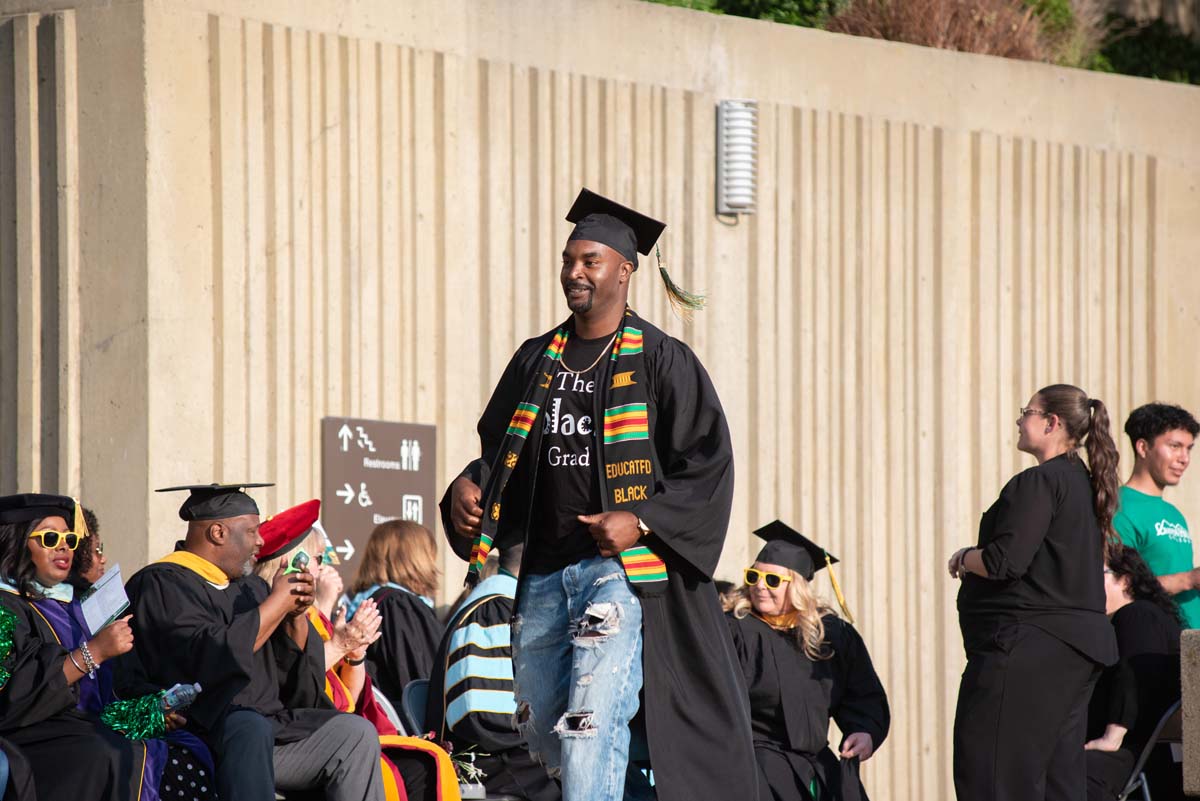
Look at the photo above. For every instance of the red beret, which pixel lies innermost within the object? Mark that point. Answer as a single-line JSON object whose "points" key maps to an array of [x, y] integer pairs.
{"points": [[280, 532]]}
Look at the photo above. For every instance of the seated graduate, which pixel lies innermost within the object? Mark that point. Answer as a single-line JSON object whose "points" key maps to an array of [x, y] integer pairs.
{"points": [[201, 615], [399, 573], [41, 710], [1133, 695], [49, 555], [804, 665], [471, 702], [413, 768]]}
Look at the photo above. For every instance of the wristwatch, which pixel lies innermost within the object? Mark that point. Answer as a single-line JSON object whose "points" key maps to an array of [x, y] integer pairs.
{"points": [[643, 529]]}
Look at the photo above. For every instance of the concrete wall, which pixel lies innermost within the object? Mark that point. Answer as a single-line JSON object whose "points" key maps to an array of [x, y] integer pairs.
{"points": [[221, 221]]}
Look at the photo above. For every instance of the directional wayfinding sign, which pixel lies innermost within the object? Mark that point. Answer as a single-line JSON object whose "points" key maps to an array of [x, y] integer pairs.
{"points": [[373, 471]]}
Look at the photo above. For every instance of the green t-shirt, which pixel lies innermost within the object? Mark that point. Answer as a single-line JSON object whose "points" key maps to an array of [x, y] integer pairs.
{"points": [[1159, 533]]}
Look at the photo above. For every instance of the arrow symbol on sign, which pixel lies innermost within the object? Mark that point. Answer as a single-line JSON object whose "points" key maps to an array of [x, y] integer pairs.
{"points": [[345, 435], [346, 494], [347, 550]]}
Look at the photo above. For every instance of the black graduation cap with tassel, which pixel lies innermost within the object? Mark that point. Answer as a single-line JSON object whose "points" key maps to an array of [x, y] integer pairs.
{"points": [[629, 232]]}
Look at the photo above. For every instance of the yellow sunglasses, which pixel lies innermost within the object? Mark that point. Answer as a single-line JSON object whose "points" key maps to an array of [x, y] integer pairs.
{"points": [[50, 538], [772, 580]]}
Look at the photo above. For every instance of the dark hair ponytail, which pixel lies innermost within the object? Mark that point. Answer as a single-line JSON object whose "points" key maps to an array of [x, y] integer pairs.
{"points": [[1087, 424], [1102, 460]]}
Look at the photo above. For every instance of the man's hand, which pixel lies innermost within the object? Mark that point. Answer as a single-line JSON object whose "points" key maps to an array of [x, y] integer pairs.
{"points": [[174, 721], [465, 512], [1175, 583], [613, 531], [859, 744], [298, 587]]}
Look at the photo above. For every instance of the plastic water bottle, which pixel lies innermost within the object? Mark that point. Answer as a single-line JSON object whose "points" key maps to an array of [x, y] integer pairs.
{"points": [[181, 696]]}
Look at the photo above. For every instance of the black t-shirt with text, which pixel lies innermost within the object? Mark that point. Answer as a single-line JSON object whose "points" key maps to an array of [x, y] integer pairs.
{"points": [[568, 483]]}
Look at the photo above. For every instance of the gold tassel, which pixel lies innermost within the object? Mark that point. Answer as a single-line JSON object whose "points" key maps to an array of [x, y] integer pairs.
{"points": [[80, 527], [837, 590], [682, 301]]}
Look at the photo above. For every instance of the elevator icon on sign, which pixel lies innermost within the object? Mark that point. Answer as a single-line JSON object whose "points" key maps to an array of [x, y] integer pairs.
{"points": [[412, 507]]}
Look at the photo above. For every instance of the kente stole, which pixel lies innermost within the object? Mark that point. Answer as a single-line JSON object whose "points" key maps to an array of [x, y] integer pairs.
{"points": [[625, 450]]}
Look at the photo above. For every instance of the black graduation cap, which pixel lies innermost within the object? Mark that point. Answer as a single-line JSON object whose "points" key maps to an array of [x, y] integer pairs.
{"points": [[598, 219], [29, 506], [789, 548], [215, 501]]}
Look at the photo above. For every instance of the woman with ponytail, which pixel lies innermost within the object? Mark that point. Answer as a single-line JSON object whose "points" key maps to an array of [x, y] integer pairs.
{"points": [[1032, 609]]}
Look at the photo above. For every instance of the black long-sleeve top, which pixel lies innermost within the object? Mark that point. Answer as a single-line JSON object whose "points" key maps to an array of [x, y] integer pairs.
{"points": [[1044, 554], [1136, 691]]}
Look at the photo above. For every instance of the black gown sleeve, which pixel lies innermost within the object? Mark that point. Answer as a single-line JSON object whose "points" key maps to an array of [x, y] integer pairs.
{"points": [[862, 704], [408, 647], [492, 731], [689, 510], [491, 428], [1022, 517], [1145, 657], [36, 688], [742, 648], [301, 671]]}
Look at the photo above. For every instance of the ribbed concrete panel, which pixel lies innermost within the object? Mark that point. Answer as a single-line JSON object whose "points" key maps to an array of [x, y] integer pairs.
{"points": [[39, 253]]}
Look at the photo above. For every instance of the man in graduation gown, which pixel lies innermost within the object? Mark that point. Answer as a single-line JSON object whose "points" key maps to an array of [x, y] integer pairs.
{"points": [[201, 615], [471, 700], [605, 450]]}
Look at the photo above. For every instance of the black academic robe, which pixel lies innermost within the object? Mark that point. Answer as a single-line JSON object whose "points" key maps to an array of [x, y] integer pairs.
{"points": [[1135, 693], [793, 698], [187, 630], [508, 765], [69, 753], [694, 700], [408, 645], [20, 785]]}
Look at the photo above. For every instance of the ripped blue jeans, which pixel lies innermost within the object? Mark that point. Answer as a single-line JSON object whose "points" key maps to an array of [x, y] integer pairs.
{"points": [[577, 663]]}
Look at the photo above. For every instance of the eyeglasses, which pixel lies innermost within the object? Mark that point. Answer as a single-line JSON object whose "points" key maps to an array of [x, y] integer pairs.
{"points": [[772, 580], [99, 548], [50, 539], [1028, 410]]}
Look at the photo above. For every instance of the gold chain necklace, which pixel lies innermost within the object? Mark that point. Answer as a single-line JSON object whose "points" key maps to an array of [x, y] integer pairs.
{"points": [[588, 369]]}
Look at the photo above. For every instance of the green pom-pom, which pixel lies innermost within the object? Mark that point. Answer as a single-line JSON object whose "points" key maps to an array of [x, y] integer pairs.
{"points": [[8, 622], [138, 718]]}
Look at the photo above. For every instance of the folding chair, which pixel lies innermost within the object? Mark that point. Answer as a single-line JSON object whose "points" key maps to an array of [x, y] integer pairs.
{"points": [[1168, 730], [412, 709]]}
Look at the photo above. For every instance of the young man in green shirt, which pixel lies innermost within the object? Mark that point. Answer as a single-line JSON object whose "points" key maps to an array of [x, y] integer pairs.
{"points": [[1162, 437]]}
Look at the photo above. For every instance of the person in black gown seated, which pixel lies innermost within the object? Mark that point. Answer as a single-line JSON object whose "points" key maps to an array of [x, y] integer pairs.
{"points": [[803, 665], [399, 572], [39, 676], [1031, 609], [1132, 696]]}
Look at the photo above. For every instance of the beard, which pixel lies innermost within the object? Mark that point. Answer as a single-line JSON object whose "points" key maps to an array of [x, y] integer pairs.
{"points": [[247, 567], [580, 305]]}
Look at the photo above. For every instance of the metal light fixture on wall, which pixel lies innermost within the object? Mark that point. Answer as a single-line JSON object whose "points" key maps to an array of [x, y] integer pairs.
{"points": [[737, 156]]}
